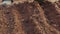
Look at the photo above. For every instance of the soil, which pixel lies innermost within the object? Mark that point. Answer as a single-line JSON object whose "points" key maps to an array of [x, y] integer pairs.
{"points": [[30, 18]]}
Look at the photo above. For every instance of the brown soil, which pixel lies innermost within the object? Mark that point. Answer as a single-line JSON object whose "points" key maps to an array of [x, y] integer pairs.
{"points": [[29, 18]]}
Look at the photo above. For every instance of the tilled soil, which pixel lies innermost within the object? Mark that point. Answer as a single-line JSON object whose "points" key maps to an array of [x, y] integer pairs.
{"points": [[29, 18], [52, 14]]}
